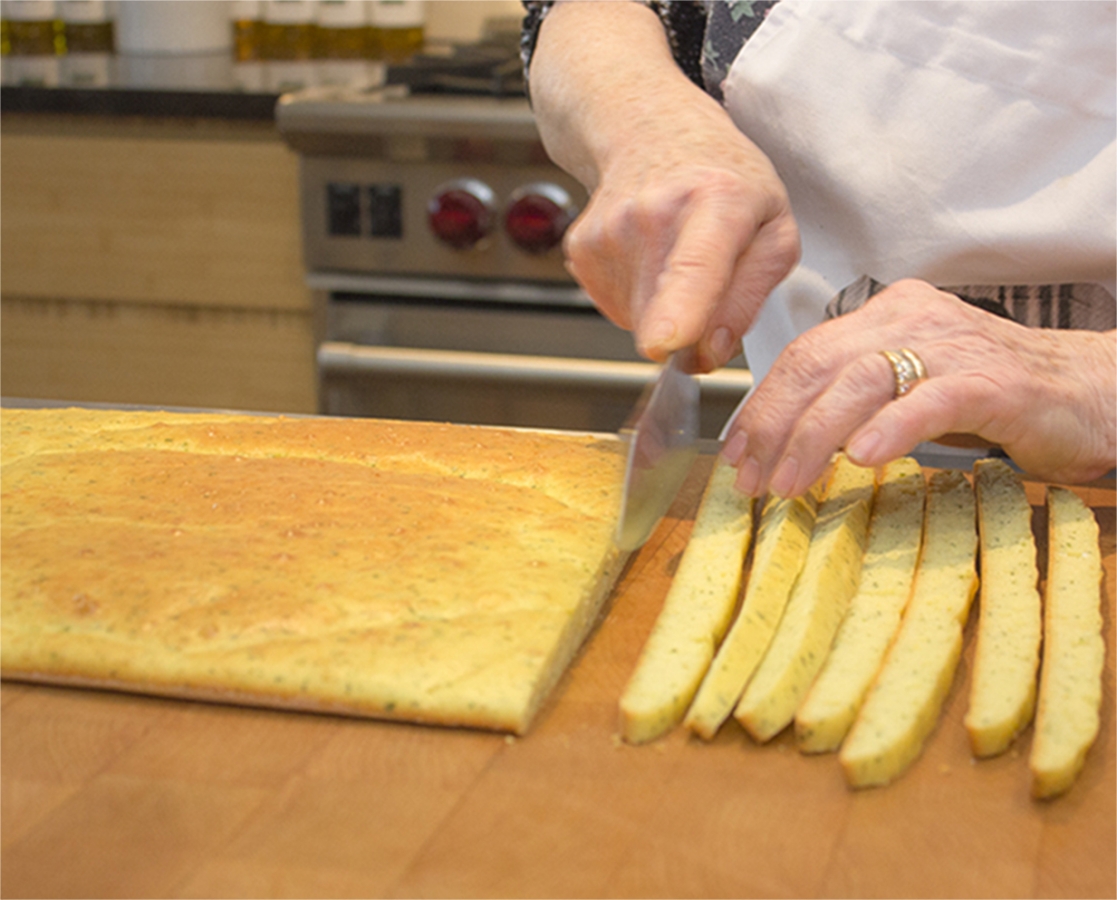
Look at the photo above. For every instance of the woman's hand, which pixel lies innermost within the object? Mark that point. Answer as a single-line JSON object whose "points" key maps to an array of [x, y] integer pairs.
{"points": [[688, 227], [1047, 397], [684, 238]]}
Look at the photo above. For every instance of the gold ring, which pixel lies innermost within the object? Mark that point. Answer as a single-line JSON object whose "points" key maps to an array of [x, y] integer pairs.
{"points": [[907, 368]]}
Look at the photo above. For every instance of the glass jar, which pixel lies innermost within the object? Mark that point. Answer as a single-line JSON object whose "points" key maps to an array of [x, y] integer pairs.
{"points": [[398, 28], [36, 42], [87, 26]]}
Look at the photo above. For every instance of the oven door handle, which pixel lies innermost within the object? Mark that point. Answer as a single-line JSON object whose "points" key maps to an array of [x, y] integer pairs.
{"points": [[341, 358]]}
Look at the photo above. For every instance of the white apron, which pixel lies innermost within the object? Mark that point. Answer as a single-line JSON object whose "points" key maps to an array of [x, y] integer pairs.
{"points": [[966, 143]]}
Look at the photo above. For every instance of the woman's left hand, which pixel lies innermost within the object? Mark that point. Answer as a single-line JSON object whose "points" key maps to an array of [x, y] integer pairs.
{"points": [[1047, 397]]}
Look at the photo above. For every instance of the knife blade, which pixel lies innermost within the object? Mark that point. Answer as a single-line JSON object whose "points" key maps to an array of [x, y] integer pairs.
{"points": [[662, 438]]}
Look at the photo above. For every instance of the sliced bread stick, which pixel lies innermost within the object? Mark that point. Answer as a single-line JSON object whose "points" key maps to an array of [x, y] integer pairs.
{"points": [[895, 534], [695, 614], [1070, 690], [816, 606], [783, 535], [904, 703], [1009, 629]]}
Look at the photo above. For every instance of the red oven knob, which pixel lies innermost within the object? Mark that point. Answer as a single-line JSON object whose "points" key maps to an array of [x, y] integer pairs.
{"points": [[462, 212], [538, 216]]}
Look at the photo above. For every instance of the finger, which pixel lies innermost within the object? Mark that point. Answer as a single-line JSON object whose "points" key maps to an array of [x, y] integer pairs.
{"points": [[599, 255], [602, 292], [804, 369], [653, 233], [763, 265], [860, 391], [696, 276], [618, 249], [938, 406]]}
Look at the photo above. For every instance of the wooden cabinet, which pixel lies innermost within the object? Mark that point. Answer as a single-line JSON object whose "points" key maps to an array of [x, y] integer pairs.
{"points": [[154, 261]]}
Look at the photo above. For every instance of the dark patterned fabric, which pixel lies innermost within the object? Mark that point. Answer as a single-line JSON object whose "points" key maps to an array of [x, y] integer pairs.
{"points": [[705, 36], [729, 24], [1083, 306]]}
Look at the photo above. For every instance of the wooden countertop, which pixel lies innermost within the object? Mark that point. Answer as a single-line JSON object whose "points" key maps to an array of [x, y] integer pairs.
{"points": [[112, 795]]}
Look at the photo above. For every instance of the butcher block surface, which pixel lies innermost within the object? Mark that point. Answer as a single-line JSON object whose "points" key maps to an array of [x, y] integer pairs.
{"points": [[109, 794]]}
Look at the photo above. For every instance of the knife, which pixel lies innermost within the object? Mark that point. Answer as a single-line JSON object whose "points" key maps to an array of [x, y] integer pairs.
{"points": [[662, 438]]}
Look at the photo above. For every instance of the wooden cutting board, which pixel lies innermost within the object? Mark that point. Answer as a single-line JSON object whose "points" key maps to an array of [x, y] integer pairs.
{"points": [[112, 795]]}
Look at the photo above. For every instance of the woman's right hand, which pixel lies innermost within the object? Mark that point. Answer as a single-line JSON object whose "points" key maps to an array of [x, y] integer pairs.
{"points": [[688, 228], [687, 233]]}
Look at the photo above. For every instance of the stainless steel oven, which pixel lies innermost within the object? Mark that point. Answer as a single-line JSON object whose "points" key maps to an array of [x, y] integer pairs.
{"points": [[431, 228]]}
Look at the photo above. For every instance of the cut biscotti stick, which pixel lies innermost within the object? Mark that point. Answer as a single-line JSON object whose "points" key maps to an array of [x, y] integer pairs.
{"points": [[1003, 692], [904, 702], [1070, 687], [695, 614], [783, 536], [816, 606], [895, 533]]}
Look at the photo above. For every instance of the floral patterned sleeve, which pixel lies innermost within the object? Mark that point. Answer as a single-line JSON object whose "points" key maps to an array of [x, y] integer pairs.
{"points": [[683, 20], [705, 35]]}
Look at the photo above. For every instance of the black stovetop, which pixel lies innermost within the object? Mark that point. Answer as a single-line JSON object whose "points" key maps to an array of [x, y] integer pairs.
{"points": [[488, 69]]}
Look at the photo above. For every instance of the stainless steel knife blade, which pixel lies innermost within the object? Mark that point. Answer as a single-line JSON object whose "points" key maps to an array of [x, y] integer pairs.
{"points": [[662, 437]]}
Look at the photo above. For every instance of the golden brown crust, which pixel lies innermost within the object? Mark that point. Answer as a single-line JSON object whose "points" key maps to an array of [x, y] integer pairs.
{"points": [[406, 570]]}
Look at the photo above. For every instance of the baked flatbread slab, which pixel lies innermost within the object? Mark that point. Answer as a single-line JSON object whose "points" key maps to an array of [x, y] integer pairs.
{"points": [[431, 573]]}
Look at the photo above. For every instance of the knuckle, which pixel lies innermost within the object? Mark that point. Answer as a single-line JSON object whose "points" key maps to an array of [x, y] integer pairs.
{"points": [[576, 240], [812, 433], [650, 215], [695, 259], [766, 431], [907, 286], [587, 234], [805, 359], [887, 305], [766, 447], [874, 371], [787, 243], [614, 224]]}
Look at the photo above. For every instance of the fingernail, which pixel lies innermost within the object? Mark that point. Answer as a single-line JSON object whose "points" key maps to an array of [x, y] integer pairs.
{"points": [[783, 482], [860, 449], [659, 333], [748, 478], [735, 448]]}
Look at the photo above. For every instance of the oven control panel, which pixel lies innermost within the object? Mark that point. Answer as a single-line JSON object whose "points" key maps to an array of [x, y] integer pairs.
{"points": [[359, 210], [431, 187], [461, 214], [374, 217]]}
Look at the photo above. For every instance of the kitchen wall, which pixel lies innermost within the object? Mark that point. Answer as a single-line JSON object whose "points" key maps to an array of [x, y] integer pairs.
{"points": [[155, 260]]}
